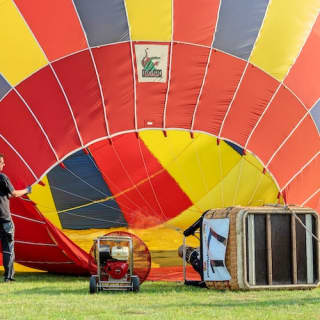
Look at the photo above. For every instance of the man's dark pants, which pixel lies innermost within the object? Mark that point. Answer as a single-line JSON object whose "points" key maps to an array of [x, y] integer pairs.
{"points": [[7, 242]]}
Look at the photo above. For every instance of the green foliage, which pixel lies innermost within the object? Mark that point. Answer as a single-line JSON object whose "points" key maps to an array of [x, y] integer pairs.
{"points": [[43, 296]]}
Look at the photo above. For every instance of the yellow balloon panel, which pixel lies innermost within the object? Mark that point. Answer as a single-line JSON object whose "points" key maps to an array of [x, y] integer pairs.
{"points": [[149, 20], [245, 184], [20, 55], [186, 218], [21, 268], [284, 32], [163, 247], [42, 197], [252, 187], [196, 164]]}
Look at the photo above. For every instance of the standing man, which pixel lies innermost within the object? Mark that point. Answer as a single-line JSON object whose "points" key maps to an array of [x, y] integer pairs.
{"points": [[6, 224]]}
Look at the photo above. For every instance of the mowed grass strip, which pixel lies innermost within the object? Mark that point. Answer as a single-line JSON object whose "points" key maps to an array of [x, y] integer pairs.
{"points": [[45, 296]]}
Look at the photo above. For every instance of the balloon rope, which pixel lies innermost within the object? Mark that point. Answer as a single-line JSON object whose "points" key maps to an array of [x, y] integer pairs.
{"points": [[76, 214], [107, 197], [114, 196], [85, 182], [175, 158], [258, 183], [203, 177], [236, 189], [255, 190], [100, 201], [124, 192], [310, 197], [91, 202], [135, 186], [303, 225], [221, 174], [97, 219], [117, 187], [150, 182]]}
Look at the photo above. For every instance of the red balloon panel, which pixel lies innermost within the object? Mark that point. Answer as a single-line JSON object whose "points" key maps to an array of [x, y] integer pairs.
{"points": [[24, 207], [20, 175], [145, 192], [25, 231], [80, 82], [314, 202], [296, 152], [45, 97], [303, 78], [305, 183], [188, 68], [38, 253], [55, 25], [115, 71], [16, 122], [283, 114], [222, 79], [253, 96], [197, 27]]}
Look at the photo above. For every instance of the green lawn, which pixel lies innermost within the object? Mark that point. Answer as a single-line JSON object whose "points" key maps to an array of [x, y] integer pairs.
{"points": [[45, 296]]}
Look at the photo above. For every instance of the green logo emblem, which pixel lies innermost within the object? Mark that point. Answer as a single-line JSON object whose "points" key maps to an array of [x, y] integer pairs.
{"points": [[149, 65]]}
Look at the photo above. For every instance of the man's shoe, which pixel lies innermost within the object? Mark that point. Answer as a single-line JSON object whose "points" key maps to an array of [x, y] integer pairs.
{"points": [[9, 279]]}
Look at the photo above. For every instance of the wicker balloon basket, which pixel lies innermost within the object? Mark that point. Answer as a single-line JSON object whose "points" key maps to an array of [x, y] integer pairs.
{"points": [[270, 247]]}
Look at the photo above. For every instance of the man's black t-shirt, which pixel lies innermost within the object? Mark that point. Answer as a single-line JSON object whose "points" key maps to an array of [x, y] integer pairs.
{"points": [[6, 189]]}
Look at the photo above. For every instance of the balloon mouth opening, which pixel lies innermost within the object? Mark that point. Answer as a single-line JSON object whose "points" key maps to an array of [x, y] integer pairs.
{"points": [[155, 180]]}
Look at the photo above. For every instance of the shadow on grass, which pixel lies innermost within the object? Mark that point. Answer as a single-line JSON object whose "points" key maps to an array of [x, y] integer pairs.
{"points": [[49, 284], [148, 286], [50, 291], [228, 303], [34, 277], [55, 285], [267, 303]]}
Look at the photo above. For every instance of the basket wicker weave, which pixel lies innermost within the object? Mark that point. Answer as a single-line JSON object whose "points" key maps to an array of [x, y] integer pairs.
{"points": [[236, 258], [231, 252]]}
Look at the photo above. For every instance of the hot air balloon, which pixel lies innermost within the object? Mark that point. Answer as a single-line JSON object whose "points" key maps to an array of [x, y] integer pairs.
{"points": [[139, 115]]}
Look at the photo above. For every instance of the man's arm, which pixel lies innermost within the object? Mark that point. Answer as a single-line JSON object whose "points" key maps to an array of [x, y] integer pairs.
{"points": [[19, 193], [10, 190]]}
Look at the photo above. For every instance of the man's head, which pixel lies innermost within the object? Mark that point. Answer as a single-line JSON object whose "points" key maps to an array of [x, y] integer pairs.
{"points": [[1, 161]]}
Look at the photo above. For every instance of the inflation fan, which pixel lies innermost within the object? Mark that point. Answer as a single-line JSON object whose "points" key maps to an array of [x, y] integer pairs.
{"points": [[122, 262]]}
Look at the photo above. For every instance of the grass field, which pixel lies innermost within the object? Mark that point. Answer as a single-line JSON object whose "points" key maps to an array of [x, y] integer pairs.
{"points": [[44, 296]]}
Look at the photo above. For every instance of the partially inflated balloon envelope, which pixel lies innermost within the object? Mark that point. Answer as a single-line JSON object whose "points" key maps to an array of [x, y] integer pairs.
{"points": [[139, 115]]}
